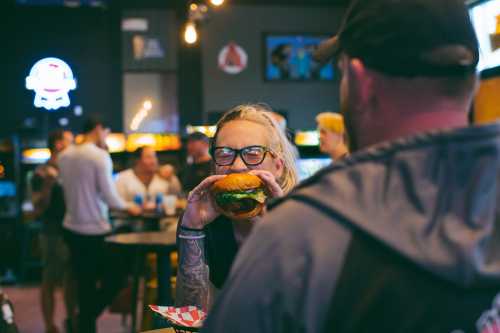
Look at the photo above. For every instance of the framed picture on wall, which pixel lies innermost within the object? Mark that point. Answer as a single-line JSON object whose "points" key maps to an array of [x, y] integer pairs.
{"points": [[288, 57]]}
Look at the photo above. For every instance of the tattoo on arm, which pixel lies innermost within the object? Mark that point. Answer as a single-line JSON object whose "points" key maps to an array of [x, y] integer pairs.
{"points": [[192, 276]]}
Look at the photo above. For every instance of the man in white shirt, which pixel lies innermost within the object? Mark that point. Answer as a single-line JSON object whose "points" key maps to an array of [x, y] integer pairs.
{"points": [[144, 181], [86, 174]]}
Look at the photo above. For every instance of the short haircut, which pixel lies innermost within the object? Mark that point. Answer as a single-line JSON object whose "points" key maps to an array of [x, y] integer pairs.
{"points": [[330, 121], [91, 123], [55, 136], [137, 154], [198, 136]]}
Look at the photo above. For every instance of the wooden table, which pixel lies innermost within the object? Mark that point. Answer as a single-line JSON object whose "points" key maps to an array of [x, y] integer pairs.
{"points": [[151, 220], [140, 243]]}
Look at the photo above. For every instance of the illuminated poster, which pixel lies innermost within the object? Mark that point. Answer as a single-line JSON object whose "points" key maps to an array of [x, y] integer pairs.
{"points": [[486, 19], [51, 79]]}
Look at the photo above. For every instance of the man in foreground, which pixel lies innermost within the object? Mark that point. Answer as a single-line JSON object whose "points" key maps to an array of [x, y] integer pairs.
{"points": [[403, 235]]}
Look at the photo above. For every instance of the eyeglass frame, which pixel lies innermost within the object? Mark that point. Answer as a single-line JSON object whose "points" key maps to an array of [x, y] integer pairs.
{"points": [[239, 152]]}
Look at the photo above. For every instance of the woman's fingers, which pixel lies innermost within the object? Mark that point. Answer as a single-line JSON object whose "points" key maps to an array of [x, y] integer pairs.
{"points": [[202, 189], [269, 180], [200, 209]]}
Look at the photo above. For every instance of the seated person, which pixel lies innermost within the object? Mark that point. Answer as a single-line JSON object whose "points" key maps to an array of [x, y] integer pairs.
{"points": [[167, 172], [247, 140], [199, 164], [144, 181]]}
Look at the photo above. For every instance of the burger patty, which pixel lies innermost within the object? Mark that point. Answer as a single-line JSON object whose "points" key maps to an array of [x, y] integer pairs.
{"points": [[242, 201], [239, 206]]}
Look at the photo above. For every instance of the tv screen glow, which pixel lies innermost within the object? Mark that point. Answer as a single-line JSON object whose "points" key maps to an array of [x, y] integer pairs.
{"points": [[485, 17], [307, 167], [289, 57]]}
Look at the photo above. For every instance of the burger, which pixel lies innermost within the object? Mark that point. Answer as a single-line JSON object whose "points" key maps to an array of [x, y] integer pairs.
{"points": [[239, 195]]}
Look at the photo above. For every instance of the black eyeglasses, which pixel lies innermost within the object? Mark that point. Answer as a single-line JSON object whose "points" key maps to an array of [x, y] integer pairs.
{"points": [[251, 155]]}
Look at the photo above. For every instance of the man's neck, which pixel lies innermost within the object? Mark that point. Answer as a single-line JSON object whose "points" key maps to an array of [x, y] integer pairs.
{"points": [[142, 171], [395, 125], [339, 151], [89, 139], [144, 176]]}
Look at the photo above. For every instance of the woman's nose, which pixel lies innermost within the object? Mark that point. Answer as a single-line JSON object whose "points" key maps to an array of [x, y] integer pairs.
{"points": [[238, 165]]}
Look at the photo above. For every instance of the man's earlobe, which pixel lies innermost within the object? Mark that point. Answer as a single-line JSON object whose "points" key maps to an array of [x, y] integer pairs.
{"points": [[357, 68], [361, 75]]}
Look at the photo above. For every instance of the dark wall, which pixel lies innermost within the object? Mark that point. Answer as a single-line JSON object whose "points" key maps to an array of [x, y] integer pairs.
{"points": [[163, 29], [245, 25], [86, 38]]}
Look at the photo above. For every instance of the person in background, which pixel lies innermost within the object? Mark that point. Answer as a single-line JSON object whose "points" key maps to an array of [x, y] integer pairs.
{"points": [[48, 201], [332, 135], [247, 140], [199, 164], [168, 173], [403, 236], [143, 179], [86, 174]]}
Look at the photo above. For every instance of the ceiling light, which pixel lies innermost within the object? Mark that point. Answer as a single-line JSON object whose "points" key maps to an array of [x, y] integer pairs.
{"points": [[217, 2], [190, 33]]}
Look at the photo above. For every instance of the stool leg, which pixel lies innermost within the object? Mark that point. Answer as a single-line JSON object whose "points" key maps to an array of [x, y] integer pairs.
{"points": [[135, 288], [164, 275]]}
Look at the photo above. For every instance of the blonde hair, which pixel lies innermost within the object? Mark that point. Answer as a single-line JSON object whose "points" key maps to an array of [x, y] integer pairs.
{"points": [[279, 143], [332, 122]]}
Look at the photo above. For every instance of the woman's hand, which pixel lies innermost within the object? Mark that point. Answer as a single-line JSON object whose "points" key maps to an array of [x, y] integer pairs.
{"points": [[166, 171], [273, 189], [200, 209]]}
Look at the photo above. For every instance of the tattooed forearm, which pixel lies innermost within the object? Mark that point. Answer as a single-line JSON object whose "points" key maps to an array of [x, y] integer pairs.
{"points": [[192, 276]]}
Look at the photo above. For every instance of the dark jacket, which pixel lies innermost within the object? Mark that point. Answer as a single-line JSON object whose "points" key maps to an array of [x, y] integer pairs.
{"points": [[403, 237], [221, 249], [53, 216]]}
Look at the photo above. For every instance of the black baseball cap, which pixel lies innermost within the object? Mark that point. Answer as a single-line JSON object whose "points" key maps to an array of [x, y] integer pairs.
{"points": [[92, 122], [407, 37]]}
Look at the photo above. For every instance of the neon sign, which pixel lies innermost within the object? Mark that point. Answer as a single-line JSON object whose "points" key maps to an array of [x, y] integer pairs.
{"points": [[51, 79]]}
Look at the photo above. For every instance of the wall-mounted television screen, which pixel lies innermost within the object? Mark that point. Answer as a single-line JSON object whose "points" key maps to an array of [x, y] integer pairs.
{"points": [[485, 16], [288, 57], [307, 167]]}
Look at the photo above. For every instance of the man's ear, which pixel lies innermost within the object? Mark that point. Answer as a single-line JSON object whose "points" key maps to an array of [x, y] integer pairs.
{"points": [[361, 75]]}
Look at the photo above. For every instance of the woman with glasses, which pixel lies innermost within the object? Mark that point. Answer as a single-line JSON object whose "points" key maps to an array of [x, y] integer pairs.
{"points": [[247, 140]]}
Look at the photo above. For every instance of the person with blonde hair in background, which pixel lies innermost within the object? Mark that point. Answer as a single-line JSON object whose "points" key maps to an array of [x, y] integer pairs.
{"points": [[332, 135], [247, 140]]}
